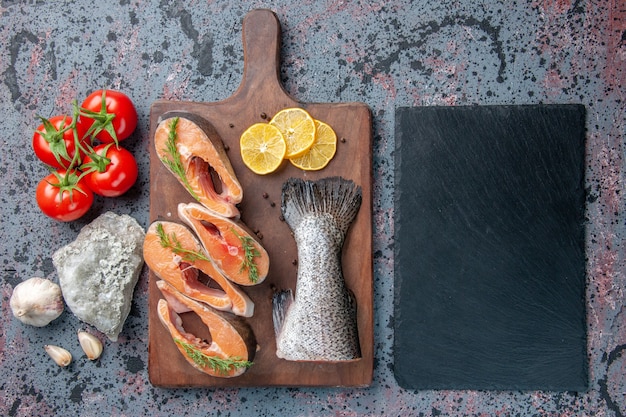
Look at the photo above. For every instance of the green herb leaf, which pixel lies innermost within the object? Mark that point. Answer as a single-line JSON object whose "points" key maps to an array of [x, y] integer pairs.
{"points": [[223, 366], [172, 242], [251, 252], [174, 162]]}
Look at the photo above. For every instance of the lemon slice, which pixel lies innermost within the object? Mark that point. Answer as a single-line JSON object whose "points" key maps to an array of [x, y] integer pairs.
{"points": [[298, 129], [322, 151], [262, 148]]}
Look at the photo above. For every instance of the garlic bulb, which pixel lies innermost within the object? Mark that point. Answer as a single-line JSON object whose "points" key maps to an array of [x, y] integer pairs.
{"points": [[92, 346], [59, 355], [37, 301]]}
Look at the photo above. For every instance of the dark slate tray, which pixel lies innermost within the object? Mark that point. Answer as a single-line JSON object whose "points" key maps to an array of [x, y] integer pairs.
{"points": [[489, 248]]}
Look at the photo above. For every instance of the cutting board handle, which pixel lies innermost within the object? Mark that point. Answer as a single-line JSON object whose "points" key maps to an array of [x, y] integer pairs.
{"points": [[261, 35]]}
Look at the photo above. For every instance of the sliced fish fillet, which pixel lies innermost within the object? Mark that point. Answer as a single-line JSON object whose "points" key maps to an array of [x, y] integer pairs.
{"points": [[233, 250], [180, 263], [191, 149], [231, 349]]}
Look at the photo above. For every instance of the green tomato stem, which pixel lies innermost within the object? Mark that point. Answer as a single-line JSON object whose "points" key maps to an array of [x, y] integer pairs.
{"points": [[68, 182], [55, 140], [103, 120]]}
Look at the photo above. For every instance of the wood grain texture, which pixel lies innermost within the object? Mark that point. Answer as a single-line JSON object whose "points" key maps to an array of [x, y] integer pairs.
{"points": [[261, 94]]}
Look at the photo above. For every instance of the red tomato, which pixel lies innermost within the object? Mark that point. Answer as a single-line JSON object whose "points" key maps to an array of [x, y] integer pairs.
{"points": [[113, 120], [54, 142], [64, 196], [113, 170]]}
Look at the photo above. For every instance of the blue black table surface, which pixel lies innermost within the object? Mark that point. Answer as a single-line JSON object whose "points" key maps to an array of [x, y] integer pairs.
{"points": [[385, 54]]}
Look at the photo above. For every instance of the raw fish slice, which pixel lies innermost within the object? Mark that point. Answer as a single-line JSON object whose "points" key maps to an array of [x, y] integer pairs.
{"points": [[228, 243], [191, 149], [173, 253], [231, 349]]}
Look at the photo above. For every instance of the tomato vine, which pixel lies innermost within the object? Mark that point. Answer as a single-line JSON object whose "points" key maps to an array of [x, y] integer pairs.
{"points": [[79, 166]]}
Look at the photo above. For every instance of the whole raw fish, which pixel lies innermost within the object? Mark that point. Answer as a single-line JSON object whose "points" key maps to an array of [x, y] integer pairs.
{"points": [[319, 323]]}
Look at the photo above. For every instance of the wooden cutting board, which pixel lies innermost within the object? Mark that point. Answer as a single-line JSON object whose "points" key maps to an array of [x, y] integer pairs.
{"points": [[260, 96]]}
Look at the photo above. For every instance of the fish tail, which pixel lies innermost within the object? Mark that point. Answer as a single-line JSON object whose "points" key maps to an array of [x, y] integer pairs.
{"points": [[280, 304], [337, 196]]}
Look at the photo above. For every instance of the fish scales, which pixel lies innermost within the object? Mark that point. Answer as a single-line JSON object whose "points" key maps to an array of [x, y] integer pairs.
{"points": [[319, 322]]}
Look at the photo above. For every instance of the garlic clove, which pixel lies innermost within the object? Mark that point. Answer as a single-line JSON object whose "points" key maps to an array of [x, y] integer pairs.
{"points": [[37, 301], [61, 356], [92, 346]]}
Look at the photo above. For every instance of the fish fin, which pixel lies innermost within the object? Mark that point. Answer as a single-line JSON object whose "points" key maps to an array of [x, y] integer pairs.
{"points": [[337, 196], [280, 305]]}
